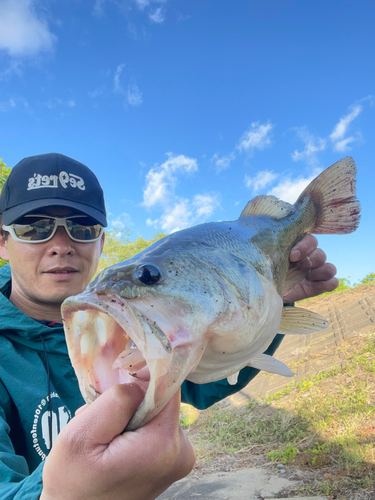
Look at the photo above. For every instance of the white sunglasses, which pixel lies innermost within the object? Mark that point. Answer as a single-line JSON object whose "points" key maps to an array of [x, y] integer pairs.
{"points": [[41, 228]]}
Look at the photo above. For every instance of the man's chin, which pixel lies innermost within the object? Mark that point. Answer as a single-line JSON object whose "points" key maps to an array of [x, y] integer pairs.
{"points": [[61, 291]]}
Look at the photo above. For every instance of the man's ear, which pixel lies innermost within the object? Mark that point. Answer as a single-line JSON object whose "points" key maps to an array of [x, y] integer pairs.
{"points": [[3, 247], [102, 240]]}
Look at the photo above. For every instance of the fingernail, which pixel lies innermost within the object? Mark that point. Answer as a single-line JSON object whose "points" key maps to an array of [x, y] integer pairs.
{"points": [[295, 255]]}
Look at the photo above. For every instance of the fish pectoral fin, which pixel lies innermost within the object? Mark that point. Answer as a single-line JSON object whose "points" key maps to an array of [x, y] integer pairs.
{"points": [[295, 321], [271, 365], [232, 379], [294, 277]]}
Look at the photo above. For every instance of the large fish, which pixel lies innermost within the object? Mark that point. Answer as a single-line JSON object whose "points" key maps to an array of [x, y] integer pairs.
{"points": [[203, 303]]}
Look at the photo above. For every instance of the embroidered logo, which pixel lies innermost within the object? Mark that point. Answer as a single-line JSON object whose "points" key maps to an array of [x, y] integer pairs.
{"points": [[48, 424], [39, 181]]}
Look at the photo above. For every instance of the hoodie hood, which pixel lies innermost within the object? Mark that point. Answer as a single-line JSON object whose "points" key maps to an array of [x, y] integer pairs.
{"points": [[24, 330]]}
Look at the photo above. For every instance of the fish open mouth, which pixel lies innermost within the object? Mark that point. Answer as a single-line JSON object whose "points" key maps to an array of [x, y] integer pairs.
{"points": [[111, 342]]}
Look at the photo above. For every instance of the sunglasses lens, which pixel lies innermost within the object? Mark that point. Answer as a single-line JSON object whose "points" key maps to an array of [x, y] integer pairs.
{"points": [[35, 229], [83, 229], [40, 229]]}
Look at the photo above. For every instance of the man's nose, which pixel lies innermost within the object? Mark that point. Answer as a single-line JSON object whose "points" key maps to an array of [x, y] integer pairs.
{"points": [[61, 243]]}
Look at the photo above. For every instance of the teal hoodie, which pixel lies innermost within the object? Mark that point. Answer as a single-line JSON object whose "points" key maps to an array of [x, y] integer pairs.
{"points": [[28, 396]]}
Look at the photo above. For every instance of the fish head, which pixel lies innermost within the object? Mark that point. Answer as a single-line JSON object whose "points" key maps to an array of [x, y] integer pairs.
{"points": [[144, 321]]}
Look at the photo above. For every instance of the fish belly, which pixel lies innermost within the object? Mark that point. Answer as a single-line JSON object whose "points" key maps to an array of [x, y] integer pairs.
{"points": [[234, 341]]}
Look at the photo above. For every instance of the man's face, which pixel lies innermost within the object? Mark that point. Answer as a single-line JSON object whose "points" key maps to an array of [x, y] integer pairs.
{"points": [[45, 274]]}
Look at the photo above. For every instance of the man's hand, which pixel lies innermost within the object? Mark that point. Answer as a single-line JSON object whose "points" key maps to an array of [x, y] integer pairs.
{"points": [[93, 459], [321, 278]]}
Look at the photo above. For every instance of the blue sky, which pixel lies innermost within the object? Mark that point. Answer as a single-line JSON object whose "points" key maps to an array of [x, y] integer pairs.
{"points": [[185, 110]]}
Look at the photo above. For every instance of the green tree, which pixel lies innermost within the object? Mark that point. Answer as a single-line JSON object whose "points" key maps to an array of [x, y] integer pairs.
{"points": [[344, 284], [118, 246], [369, 278], [4, 172]]}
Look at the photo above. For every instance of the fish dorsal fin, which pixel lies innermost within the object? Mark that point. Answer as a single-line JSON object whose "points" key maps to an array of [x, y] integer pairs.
{"points": [[268, 205], [295, 320], [270, 364]]}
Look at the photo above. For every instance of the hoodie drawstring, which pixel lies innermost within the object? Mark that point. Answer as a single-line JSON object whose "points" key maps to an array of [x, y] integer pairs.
{"points": [[49, 393]]}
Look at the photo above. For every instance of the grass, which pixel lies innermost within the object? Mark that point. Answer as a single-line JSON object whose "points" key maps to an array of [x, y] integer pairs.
{"points": [[325, 422]]}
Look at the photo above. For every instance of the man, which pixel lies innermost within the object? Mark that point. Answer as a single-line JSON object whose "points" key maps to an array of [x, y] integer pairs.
{"points": [[53, 219]]}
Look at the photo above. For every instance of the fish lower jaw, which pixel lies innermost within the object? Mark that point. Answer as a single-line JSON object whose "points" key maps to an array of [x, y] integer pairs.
{"points": [[102, 351]]}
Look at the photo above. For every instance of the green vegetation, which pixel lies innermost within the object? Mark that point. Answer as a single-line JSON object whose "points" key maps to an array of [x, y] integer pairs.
{"points": [[286, 455], [324, 422], [4, 172], [368, 279], [118, 246]]}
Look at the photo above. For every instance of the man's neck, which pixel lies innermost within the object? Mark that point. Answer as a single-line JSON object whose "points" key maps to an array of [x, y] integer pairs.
{"points": [[48, 312]]}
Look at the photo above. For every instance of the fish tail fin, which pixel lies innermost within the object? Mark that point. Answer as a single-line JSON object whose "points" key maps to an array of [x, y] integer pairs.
{"points": [[334, 192]]}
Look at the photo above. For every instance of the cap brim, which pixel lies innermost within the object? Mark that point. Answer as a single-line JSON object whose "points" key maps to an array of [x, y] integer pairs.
{"points": [[12, 214]]}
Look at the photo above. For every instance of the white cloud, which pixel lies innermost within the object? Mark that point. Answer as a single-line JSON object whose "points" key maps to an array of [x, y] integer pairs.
{"points": [[342, 126], [161, 180], [96, 92], [342, 146], [257, 137], [340, 142], [160, 193], [222, 163], [57, 102], [184, 213], [98, 7], [312, 146], [132, 30], [142, 3], [289, 189], [116, 80], [145, 3], [134, 95], [22, 31], [177, 217], [122, 221], [157, 17], [14, 67], [13, 103], [205, 204], [261, 180], [7, 105]]}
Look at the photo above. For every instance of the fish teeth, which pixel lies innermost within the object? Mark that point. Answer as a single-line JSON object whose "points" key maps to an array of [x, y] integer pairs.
{"points": [[85, 343], [101, 331], [80, 318]]}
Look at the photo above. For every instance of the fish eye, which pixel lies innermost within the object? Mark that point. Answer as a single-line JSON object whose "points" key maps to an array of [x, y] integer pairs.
{"points": [[147, 274]]}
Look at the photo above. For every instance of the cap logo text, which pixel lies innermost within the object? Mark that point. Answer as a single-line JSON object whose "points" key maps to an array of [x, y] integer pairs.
{"points": [[52, 181]]}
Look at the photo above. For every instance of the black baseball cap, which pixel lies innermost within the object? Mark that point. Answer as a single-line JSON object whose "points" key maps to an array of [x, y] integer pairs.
{"points": [[49, 180]]}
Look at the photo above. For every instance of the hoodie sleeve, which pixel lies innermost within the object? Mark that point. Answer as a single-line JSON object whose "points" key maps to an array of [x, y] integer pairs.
{"points": [[202, 396], [15, 481]]}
